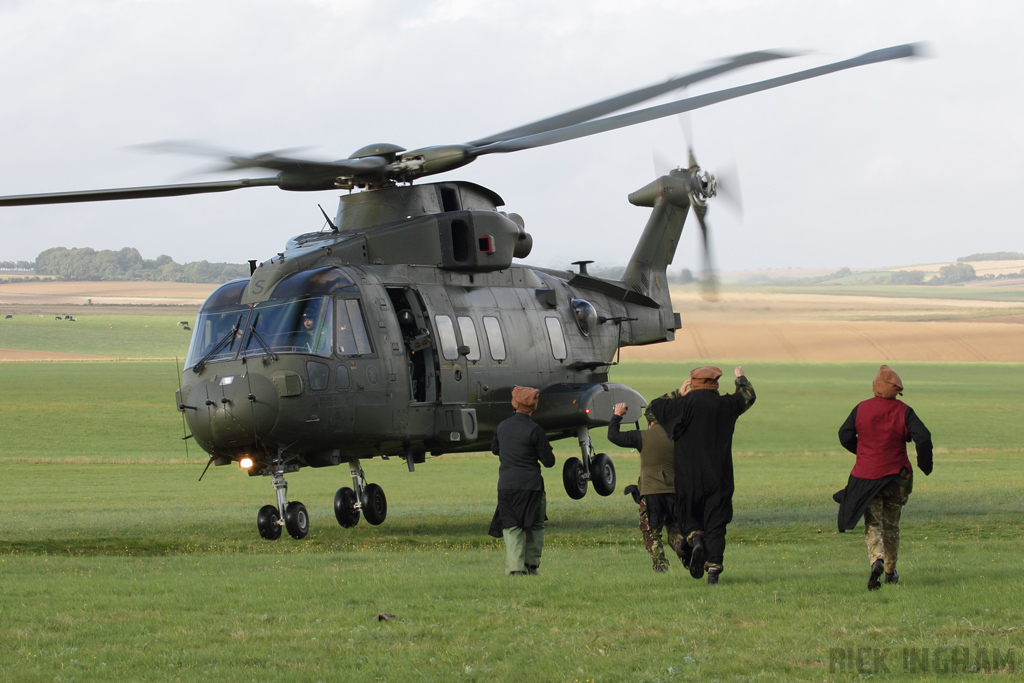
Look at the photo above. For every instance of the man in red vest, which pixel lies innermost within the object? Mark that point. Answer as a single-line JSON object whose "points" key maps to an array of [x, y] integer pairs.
{"points": [[878, 431]]}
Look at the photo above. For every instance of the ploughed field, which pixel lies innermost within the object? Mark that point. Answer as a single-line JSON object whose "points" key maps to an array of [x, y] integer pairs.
{"points": [[885, 324]]}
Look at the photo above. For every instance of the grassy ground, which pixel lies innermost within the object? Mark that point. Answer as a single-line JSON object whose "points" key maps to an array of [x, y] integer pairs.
{"points": [[120, 336], [124, 412], [116, 564], [140, 573]]}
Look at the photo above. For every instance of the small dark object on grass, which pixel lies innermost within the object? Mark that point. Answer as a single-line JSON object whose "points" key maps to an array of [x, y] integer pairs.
{"points": [[632, 490]]}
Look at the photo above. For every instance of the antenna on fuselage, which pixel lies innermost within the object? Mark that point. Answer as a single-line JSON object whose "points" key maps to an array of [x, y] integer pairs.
{"points": [[334, 228]]}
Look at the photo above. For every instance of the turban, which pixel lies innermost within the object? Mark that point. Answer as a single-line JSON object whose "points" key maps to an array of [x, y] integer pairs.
{"points": [[887, 383], [705, 377], [524, 399]]}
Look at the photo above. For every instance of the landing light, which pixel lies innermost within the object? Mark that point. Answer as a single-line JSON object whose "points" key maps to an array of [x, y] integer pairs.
{"points": [[245, 463]]}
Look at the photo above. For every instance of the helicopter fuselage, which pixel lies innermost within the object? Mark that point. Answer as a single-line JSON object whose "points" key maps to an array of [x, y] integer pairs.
{"points": [[403, 359]]}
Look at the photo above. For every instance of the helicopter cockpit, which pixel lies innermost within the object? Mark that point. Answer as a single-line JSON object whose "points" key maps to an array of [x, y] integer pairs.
{"points": [[298, 318]]}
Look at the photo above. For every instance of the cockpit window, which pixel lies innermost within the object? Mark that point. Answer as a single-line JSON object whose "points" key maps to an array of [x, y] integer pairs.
{"points": [[218, 334], [352, 337], [291, 326]]}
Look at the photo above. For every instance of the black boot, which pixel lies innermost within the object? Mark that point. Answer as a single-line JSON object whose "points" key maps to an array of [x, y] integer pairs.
{"points": [[877, 569], [713, 577], [532, 569], [892, 578], [683, 552], [697, 556]]}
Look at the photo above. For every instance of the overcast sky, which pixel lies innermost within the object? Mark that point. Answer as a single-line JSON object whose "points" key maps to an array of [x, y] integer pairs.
{"points": [[914, 161]]}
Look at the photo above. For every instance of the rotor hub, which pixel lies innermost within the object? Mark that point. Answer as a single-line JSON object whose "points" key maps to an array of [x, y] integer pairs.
{"points": [[704, 186]]}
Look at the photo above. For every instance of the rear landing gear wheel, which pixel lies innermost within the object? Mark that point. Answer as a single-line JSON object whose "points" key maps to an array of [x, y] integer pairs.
{"points": [[268, 521], [574, 478], [345, 507], [375, 505], [296, 519], [602, 473]]}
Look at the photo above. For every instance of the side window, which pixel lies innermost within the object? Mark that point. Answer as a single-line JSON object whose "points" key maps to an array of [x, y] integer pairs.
{"points": [[352, 337], [494, 338], [446, 335], [557, 339], [468, 330]]}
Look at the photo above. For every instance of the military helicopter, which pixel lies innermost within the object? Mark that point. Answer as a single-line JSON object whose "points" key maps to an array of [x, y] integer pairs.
{"points": [[401, 328]]}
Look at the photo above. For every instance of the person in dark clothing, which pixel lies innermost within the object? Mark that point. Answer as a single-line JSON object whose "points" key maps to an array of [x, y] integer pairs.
{"points": [[520, 444], [657, 494], [701, 422], [877, 432]]}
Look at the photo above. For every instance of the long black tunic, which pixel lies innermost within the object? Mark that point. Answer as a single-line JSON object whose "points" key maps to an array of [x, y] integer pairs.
{"points": [[522, 447], [702, 424]]}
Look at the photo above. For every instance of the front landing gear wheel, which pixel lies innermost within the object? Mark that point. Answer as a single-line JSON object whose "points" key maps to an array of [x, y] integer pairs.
{"points": [[345, 507], [296, 519], [602, 473], [574, 478], [269, 522], [375, 505]]}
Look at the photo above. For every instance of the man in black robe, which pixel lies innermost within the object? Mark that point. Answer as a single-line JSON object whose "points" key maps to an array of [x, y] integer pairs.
{"points": [[522, 446], [701, 422]]}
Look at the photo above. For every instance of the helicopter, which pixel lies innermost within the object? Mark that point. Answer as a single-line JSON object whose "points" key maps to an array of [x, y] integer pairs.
{"points": [[400, 329]]}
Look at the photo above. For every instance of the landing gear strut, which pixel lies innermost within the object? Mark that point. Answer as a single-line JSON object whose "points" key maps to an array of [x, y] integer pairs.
{"points": [[292, 516], [599, 469], [367, 498]]}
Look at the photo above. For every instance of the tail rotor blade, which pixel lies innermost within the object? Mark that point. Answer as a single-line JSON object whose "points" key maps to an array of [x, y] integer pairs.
{"points": [[709, 283], [728, 183]]}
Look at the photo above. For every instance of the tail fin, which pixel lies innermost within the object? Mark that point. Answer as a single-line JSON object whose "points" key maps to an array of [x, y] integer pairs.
{"points": [[669, 197]]}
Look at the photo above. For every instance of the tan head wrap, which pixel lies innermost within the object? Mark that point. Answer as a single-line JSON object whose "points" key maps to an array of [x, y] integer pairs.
{"points": [[524, 399], [705, 377], [887, 383]]}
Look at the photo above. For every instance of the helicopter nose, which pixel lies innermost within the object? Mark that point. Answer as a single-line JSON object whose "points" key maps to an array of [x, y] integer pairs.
{"points": [[232, 411]]}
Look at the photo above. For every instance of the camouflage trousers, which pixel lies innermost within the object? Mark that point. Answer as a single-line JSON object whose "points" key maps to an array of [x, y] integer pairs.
{"points": [[882, 521], [652, 537]]}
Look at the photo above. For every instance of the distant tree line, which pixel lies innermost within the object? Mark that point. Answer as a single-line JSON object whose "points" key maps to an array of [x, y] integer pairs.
{"points": [[952, 274], [994, 256], [18, 265], [128, 264]]}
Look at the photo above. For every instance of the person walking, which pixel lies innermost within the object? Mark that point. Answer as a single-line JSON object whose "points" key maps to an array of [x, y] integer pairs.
{"points": [[702, 422], [877, 432], [656, 492], [521, 446]]}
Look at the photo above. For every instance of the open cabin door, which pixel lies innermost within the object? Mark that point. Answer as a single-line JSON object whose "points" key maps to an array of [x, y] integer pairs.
{"points": [[421, 353]]}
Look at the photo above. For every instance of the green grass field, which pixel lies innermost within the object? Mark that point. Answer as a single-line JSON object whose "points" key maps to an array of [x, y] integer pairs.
{"points": [[120, 336], [116, 564]]}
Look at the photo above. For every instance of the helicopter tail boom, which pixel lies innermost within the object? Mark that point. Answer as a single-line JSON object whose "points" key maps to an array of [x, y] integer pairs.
{"points": [[669, 197]]}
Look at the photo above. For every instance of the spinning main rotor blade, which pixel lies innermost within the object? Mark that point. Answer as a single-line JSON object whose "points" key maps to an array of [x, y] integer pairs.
{"points": [[381, 169], [689, 104], [135, 192], [605, 107]]}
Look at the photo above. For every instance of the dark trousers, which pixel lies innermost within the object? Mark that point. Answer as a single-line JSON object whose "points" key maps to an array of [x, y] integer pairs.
{"points": [[708, 514]]}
